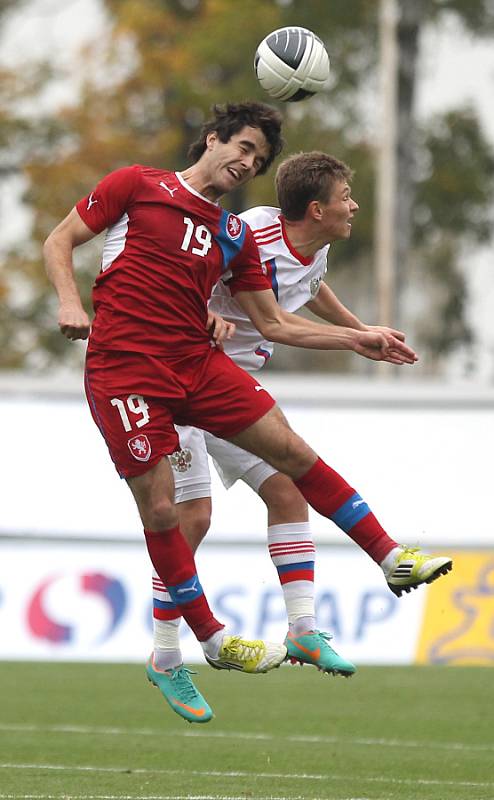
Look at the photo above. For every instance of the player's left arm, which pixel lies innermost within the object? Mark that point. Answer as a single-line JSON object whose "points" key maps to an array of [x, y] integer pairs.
{"points": [[327, 306], [277, 325]]}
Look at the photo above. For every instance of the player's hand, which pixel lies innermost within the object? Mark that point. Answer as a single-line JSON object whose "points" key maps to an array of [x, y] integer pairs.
{"points": [[219, 329], [383, 329], [74, 322], [383, 345]]}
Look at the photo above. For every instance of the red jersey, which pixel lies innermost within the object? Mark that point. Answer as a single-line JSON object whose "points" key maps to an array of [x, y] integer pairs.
{"points": [[166, 247]]}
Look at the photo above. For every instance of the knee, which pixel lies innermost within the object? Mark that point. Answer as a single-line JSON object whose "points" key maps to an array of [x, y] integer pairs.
{"points": [[297, 456], [160, 515], [283, 500]]}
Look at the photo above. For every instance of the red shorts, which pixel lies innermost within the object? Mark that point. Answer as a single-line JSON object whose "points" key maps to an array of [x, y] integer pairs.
{"points": [[137, 399]]}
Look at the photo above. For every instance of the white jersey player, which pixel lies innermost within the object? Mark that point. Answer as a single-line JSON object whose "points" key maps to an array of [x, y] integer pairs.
{"points": [[296, 281], [316, 208]]}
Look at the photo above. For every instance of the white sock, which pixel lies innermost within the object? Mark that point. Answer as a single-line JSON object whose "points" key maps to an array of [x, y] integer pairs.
{"points": [[302, 625], [167, 654], [289, 545], [212, 645], [388, 562]]}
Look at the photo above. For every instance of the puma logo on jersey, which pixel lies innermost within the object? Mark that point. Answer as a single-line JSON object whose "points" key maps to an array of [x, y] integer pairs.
{"points": [[90, 201], [259, 388], [191, 588], [170, 191], [357, 503]]}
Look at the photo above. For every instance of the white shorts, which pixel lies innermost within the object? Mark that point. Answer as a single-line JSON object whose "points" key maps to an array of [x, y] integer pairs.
{"points": [[233, 464], [191, 469], [190, 465]]}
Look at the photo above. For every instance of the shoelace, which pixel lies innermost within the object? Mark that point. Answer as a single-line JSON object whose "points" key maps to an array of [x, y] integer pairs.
{"points": [[326, 637], [242, 650], [410, 550], [323, 635], [185, 687]]}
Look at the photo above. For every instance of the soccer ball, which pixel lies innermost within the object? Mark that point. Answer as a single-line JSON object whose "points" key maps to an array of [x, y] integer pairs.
{"points": [[291, 64]]}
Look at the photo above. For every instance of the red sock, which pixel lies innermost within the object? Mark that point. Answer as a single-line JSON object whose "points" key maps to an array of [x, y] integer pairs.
{"points": [[173, 560], [330, 495]]}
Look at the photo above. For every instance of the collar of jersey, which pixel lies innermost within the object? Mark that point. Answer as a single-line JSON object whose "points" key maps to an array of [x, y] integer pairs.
{"points": [[192, 190], [303, 260]]}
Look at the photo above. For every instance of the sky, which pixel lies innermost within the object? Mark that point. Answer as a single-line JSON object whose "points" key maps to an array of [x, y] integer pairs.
{"points": [[455, 69], [52, 26]]}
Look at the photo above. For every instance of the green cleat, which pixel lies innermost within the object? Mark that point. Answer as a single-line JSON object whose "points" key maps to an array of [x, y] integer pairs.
{"points": [[412, 567], [248, 656], [312, 647], [179, 692]]}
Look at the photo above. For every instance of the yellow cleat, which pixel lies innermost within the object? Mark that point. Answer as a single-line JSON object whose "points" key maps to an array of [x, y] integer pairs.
{"points": [[248, 656], [411, 568]]}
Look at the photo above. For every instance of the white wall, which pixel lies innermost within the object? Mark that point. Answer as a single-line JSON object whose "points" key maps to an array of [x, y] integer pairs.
{"points": [[73, 601], [84, 602], [422, 457]]}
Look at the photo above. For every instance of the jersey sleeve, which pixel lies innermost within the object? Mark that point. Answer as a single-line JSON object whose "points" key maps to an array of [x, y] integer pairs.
{"points": [[247, 272], [107, 203]]}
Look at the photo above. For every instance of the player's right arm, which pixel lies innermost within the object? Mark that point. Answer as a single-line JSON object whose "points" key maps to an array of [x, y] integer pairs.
{"points": [[91, 215], [327, 306], [72, 231]]}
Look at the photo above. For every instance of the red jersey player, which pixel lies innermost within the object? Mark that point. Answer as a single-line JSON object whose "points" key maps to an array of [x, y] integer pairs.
{"points": [[150, 362], [293, 245]]}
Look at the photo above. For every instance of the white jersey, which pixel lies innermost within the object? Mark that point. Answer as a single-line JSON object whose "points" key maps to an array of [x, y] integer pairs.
{"points": [[295, 281]]}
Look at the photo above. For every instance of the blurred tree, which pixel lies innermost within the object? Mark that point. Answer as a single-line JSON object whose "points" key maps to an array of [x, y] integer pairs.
{"points": [[16, 136], [444, 170], [146, 87]]}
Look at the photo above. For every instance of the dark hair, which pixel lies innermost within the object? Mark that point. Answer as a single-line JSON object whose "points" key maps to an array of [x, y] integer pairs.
{"points": [[232, 117], [304, 177]]}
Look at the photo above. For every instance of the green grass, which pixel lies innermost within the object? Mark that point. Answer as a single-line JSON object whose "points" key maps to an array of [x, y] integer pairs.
{"points": [[101, 731]]}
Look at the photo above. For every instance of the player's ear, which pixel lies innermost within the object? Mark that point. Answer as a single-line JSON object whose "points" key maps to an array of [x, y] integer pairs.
{"points": [[211, 138], [314, 211]]}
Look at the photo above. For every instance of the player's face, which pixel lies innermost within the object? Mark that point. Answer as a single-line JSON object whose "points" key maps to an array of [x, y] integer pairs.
{"points": [[236, 161], [338, 213]]}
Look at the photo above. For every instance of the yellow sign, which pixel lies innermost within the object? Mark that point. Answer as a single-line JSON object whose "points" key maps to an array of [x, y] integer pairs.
{"points": [[458, 624]]}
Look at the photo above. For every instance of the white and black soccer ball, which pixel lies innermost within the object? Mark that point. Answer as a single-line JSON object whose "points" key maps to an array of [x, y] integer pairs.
{"points": [[292, 64]]}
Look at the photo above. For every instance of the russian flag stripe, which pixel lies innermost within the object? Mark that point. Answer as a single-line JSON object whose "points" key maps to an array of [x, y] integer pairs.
{"points": [[305, 565], [271, 269], [299, 575], [263, 353]]}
